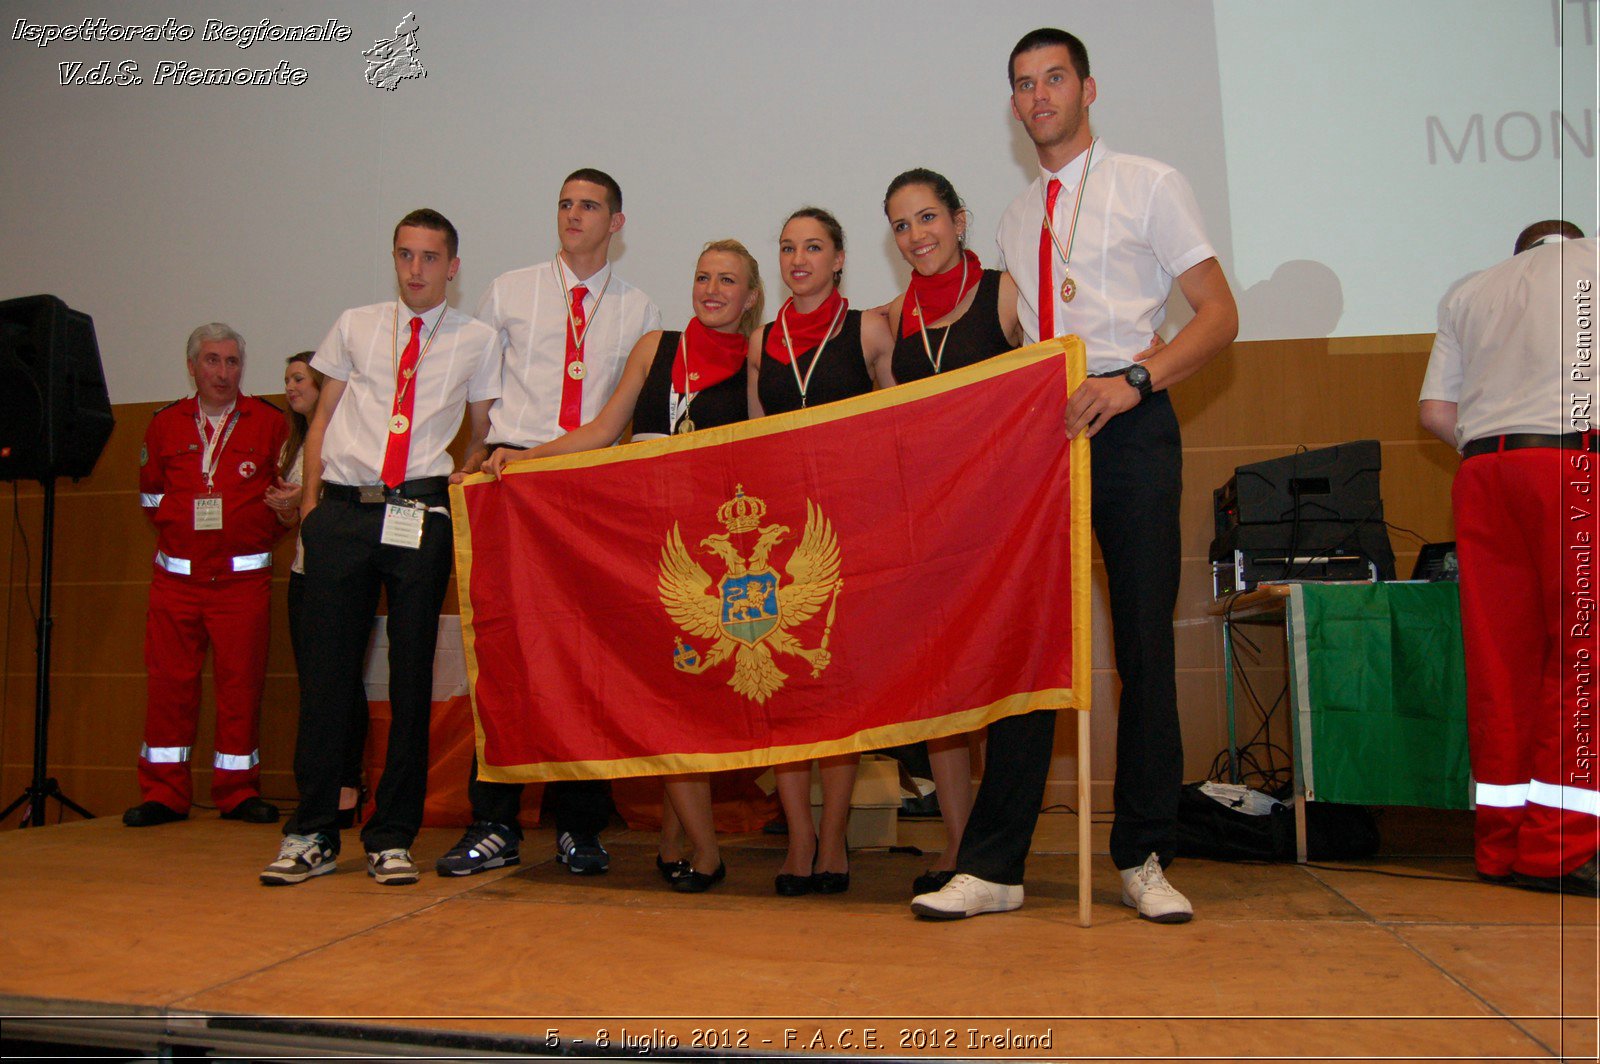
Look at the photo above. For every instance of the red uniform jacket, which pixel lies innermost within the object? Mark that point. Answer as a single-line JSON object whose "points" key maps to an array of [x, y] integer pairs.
{"points": [[170, 478]]}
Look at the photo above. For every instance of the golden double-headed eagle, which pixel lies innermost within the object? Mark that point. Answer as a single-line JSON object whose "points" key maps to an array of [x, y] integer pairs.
{"points": [[749, 611]]}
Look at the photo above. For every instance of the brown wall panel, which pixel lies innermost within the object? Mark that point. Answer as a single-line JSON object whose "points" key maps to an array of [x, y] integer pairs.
{"points": [[1259, 400]]}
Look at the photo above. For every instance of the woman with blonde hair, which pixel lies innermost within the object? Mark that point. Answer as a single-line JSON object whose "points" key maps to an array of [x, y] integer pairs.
{"points": [[677, 382]]}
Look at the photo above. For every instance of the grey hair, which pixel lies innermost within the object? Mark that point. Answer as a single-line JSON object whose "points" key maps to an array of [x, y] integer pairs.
{"points": [[215, 330]]}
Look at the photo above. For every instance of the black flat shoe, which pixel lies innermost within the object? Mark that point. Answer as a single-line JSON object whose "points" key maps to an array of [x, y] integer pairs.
{"points": [[1583, 881], [787, 886], [253, 810], [670, 870], [149, 814], [692, 882], [830, 882], [930, 882]]}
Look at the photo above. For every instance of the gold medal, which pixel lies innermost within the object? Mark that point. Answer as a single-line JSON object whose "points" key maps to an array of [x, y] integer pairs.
{"points": [[575, 370], [684, 426], [399, 423], [1069, 289]]}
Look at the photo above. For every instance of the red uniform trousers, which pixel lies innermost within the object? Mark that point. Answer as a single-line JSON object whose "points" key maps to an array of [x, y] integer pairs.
{"points": [[231, 616], [1525, 537]]}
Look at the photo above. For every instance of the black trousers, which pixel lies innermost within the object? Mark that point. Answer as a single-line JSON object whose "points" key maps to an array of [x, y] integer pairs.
{"points": [[346, 566], [1137, 470], [355, 743], [582, 807]]}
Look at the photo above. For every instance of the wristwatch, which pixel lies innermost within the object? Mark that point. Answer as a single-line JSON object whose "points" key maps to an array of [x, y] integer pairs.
{"points": [[1139, 377]]}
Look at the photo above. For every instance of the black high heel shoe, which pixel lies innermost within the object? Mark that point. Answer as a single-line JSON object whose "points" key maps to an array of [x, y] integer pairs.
{"points": [[692, 882], [790, 886], [349, 818], [830, 882], [671, 870]]}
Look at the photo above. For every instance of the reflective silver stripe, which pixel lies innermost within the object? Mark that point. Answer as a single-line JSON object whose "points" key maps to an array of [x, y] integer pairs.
{"points": [[242, 563], [1502, 796], [236, 762], [1572, 799], [179, 566], [164, 755], [150, 499]]}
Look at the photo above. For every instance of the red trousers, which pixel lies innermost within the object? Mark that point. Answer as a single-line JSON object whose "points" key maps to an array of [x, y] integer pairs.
{"points": [[186, 616], [1525, 538]]}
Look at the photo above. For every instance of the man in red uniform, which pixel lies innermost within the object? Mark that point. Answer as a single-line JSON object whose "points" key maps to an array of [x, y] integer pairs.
{"points": [[1510, 384], [203, 474]]}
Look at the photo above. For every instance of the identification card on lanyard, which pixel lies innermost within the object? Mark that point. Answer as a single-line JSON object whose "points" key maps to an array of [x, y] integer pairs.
{"points": [[402, 524], [208, 507], [208, 513]]}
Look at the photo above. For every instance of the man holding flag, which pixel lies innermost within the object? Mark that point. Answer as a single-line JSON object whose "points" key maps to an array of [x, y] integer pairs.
{"points": [[1094, 245]]}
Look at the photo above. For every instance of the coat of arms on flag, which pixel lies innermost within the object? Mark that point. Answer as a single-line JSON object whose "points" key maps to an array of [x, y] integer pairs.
{"points": [[751, 611]]}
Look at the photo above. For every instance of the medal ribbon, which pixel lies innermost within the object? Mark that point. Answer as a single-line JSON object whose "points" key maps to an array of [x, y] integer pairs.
{"points": [[578, 323], [1072, 234], [803, 384], [397, 450], [931, 298]]}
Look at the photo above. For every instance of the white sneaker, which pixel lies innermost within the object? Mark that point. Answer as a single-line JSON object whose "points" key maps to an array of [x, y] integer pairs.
{"points": [[392, 867], [299, 858], [966, 896], [1145, 888]]}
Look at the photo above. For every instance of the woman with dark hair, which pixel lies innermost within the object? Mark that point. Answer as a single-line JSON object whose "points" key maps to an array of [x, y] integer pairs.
{"points": [[302, 387], [676, 383], [953, 313], [816, 350]]}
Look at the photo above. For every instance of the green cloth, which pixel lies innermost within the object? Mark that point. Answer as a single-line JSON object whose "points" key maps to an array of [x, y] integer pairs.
{"points": [[1380, 693]]}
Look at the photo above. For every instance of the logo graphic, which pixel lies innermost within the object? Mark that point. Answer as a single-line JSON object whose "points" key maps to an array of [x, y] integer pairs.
{"points": [[393, 61], [247, 470], [749, 612]]}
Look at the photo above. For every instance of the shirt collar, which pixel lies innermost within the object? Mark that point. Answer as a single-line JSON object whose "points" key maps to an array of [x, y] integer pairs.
{"points": [[1072, 173], [430, 318], [593, 283]]}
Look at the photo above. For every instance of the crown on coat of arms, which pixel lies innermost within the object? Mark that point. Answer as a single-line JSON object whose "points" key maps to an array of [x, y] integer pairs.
{"points": [[742, 513]]}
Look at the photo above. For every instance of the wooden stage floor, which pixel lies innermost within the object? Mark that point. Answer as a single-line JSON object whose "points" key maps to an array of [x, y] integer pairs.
{"points": [[162, 936]]}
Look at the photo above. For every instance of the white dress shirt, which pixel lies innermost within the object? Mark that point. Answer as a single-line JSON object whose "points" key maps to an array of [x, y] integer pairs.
{"points": [[1508, 341], [1139, 227], [461, 364], [528, 308]]}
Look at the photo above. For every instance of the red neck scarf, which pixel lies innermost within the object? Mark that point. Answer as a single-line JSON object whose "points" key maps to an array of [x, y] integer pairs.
{"points": [[939, 294], [713, 357], [806, 330]]}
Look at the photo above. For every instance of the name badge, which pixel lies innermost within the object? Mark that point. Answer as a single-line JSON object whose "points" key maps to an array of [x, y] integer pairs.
{"points": [[208, 513], [402, 524]]}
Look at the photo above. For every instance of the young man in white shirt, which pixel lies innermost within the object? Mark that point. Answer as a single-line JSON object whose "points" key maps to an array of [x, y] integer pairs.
{"points": [[376, 515], [1094, 245], [567, 327]]}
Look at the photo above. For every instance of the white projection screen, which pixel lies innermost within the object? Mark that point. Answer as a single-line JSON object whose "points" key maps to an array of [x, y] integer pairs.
{"points": [[1352, 159]]}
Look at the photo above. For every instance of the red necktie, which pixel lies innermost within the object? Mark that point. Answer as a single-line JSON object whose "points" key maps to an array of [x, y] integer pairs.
{"points": [[572, 386], [398, 450], [1047, 284]]}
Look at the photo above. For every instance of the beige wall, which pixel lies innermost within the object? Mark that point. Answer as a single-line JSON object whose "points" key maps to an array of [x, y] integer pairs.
{"points": [[1259, 400]]}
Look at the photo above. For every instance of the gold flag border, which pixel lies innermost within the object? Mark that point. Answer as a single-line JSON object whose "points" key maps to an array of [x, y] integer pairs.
{"points": [[1068, 348]]}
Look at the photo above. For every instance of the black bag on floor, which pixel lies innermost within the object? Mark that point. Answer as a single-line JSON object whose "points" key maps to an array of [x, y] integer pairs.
{"points": [[1211, 829]]}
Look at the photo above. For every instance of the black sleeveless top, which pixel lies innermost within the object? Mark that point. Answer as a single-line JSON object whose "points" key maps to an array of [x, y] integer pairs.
{"points": [[977, 335], [842, 374], [724, 403]]}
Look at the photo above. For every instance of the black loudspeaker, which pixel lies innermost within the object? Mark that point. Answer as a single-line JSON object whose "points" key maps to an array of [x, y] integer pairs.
{"points": [[55, 413]]}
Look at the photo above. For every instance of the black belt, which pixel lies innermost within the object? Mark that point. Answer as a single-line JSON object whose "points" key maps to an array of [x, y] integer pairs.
{"points": [[375, 494], [1518, 441]]}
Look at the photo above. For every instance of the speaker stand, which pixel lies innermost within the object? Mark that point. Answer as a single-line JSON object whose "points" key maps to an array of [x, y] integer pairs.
{"points": [[43, 786]]}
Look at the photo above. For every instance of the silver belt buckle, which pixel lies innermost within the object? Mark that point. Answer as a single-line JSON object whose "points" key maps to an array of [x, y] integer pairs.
{"points": [[372, 493]]}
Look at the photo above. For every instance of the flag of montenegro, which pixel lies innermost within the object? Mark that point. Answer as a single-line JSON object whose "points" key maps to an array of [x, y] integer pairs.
{"points": [[907, 564]]}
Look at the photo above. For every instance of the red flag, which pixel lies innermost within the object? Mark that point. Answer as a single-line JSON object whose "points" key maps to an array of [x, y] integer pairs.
{"points": [[904, 565]]}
